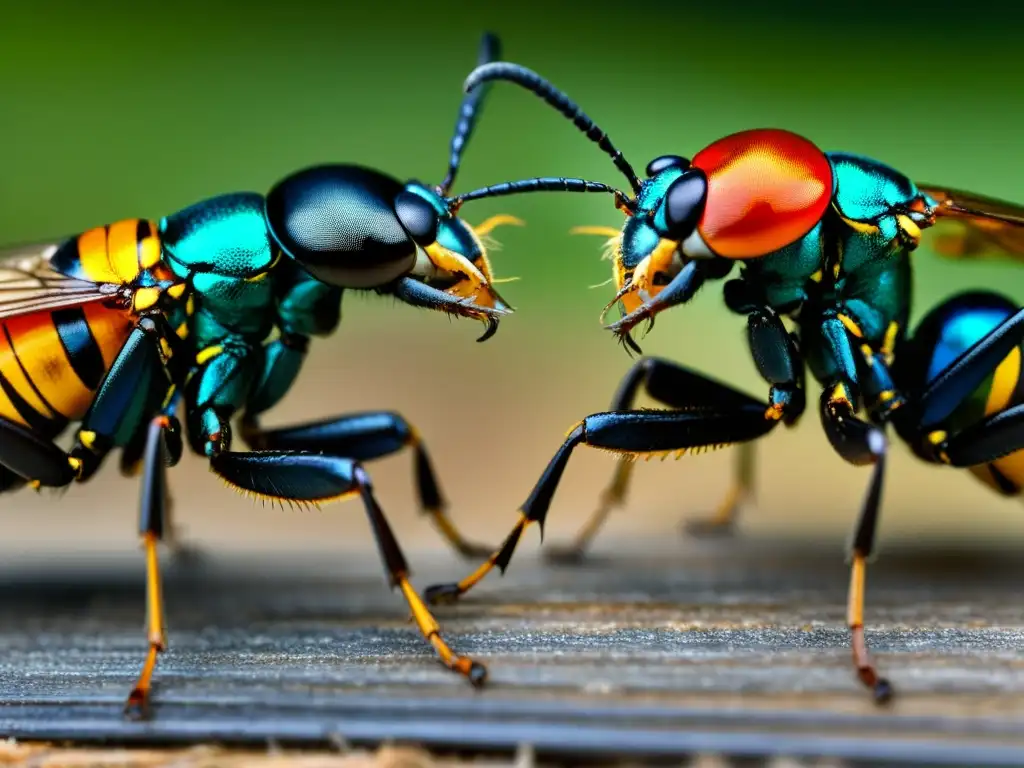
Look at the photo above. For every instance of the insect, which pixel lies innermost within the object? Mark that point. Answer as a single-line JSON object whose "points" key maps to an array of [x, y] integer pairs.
{"points": [[823, 240], [210, 311]]}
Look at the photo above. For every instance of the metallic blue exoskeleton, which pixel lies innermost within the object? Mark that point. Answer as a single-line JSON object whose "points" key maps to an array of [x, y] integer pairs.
{"points": [[209, 312]]}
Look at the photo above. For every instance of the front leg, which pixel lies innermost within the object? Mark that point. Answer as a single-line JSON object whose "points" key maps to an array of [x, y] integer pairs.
{"points": [[778, 360], [737, 418], [774, 351], [859, 443]]}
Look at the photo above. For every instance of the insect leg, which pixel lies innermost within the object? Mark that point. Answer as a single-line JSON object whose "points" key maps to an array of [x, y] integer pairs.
{"points": [[163, 449], [34, 459], [988, 440], [780, 364], [9, 480], [133, 390], [123, 398], [671, 384], [859, 443], [362, 436], [312, 478], [738, 418], [216, 391]]}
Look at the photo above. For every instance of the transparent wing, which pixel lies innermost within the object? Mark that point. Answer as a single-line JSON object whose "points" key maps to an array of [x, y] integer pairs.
{"points": [[27, 284], [973, 226]]}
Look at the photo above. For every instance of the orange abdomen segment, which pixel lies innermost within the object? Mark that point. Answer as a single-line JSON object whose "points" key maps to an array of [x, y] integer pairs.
{"points": [[117, 253], [52, 363], [767, 188]]}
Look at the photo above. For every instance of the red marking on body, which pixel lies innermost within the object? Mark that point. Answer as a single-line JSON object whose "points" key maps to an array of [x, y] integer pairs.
{"points": [[767, 188]]}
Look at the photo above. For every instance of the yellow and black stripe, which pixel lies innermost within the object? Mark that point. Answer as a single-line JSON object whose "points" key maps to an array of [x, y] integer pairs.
{"points": [[1006, 475], [118, 253], [52, 363]]}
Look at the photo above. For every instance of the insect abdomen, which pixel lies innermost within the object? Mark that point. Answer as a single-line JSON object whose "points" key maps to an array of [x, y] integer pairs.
{"points": [[946, 333], [52, 363], [118, 253]]}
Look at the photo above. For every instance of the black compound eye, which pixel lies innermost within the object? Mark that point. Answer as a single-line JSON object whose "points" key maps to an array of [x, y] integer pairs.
{"points": [[339, 223], [684, 203], [418, 217], [659, 164]]}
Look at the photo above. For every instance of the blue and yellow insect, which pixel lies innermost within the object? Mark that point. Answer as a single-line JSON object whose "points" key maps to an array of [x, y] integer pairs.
{"points": [[824, 240], [210, 311]]}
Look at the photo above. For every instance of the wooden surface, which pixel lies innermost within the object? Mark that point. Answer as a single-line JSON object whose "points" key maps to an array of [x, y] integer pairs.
{"points": [[669, 647]]}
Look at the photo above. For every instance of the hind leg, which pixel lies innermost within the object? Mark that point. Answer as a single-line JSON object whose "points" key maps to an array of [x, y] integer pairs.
{"points": [[163, 449], [136, 384], [9, 481]]}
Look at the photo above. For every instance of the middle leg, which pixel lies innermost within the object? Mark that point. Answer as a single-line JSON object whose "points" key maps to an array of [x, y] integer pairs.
{"points": [[364, 437], [673, 385], [361, 436]]}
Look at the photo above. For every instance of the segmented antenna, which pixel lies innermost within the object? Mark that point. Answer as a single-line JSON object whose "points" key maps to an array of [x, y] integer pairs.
{"points": [[531, 81], [469, 111], [541, 184]]}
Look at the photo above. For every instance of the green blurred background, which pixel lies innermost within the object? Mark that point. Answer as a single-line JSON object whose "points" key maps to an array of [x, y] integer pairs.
{"points": [[111, 111]]}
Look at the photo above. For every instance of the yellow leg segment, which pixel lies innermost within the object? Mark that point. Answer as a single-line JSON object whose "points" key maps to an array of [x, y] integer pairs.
{"points": [[450, 533], [138, 700], [866, 671], [611, 498], [448, 593], [723, 519], [431, 630]]}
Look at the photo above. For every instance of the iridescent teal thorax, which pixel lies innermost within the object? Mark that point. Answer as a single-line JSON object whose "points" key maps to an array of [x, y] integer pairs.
{"points": [[239, 285]]}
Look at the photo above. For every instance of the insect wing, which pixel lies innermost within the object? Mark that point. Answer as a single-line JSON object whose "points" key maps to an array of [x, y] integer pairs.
{"points": [[972, 226], [28, 284]]}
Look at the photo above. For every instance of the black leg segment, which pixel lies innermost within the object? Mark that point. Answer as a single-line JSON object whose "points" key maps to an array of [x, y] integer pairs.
{"points": [[954, 384], [992, 438], [158, 455], [33, 458], [676, 386], [290, 476], [628, 432], [364, 437]]}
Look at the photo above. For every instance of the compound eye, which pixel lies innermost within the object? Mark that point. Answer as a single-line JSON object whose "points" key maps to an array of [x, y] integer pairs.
{"points": [[659, 164], [684, 203], [418, 217]]}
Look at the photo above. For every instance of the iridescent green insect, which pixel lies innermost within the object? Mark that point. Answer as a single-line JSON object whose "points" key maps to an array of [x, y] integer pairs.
{"points": [[825, 240], [210, 311]]}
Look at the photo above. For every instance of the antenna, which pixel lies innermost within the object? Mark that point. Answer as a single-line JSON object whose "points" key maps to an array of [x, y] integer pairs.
{"points": [[469, 111], [531, 81], [541, 184]]}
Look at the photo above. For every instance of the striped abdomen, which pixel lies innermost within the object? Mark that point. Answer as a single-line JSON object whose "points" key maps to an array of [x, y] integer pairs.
{"points": [[52, 362]]}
